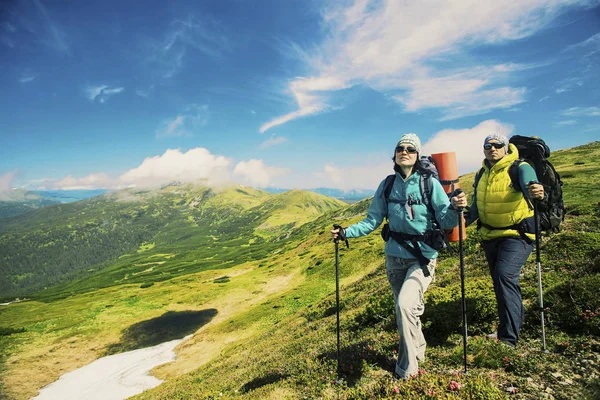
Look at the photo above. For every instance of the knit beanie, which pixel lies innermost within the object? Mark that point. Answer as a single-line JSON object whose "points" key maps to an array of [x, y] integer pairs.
{"points": [[412, 139], [499, 137]]}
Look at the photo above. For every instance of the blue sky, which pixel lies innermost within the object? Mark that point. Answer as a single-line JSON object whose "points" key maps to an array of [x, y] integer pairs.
{"points": [[292, 94]]}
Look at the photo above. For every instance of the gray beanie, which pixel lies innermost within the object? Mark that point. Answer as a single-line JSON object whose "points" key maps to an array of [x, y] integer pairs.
{"points": [[412, 139], [499, 137]]}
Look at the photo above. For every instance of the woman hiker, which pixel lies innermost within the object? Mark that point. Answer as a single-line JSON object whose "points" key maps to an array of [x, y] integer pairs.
{"points": [[507, 228], [409, 269]]}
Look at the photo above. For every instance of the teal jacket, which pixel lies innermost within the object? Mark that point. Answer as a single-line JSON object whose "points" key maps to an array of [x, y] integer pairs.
{"points": [[398, 214]]}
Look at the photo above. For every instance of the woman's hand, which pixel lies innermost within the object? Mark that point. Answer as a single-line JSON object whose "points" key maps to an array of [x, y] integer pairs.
{"points": [[338, 234], [459, 201]]}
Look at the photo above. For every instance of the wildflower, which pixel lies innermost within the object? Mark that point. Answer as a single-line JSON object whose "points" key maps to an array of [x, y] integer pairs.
{"points": [[396, 389], [430, 392], [455, 385], [420, 371], [505, 359]]}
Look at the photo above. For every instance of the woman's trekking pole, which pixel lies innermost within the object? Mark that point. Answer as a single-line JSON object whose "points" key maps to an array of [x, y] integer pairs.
{"points": [[462, 280], [337, 293], [539, 270]]}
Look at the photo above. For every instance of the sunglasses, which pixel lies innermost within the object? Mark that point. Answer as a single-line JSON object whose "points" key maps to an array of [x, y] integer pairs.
{"points": [[488, 146], [409, 149]]}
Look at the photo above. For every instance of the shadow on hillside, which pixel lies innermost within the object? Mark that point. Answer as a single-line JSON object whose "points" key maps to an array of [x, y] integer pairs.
{"points": [[169, 326], [262, 381], [445, 318], [351, 357]]}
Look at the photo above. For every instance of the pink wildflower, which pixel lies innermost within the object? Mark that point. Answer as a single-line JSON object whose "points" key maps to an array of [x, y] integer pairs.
{"points": [[455, 385], [396, 389]]}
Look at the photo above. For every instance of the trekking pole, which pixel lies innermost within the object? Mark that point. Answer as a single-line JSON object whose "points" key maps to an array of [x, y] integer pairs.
{"points": [[337, 295], [462, 279], [539, 270]]}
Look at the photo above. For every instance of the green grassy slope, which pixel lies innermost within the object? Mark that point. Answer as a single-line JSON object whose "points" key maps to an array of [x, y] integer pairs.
{"points": [[111, 239], [272, 317]]}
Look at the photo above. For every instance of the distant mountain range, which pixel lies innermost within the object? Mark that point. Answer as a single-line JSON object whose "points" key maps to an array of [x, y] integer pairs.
{"points": [[348, 196], [20, 201], [69, 196]]}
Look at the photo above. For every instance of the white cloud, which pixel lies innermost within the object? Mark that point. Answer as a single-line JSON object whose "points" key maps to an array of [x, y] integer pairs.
{"points": [[466, 143], [582, 112], [273, 141], [102, 92], [92, 181], [418, 53], [189, 121], [173, 165], [256, 173], [308, 103], [6, 181]]}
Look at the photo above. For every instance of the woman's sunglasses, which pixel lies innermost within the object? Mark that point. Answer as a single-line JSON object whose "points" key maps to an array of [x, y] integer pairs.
{"points": [[409, 149], [488, 146]]}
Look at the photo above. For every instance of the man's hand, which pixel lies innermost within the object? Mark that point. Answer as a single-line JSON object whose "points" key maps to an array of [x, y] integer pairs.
{"points": [[536, 190]]}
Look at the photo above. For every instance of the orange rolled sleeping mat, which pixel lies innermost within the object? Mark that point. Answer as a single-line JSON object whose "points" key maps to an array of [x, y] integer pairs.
{"points": [[448, 170]]}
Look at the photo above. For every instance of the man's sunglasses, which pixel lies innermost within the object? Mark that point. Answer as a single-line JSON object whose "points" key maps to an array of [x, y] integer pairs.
{"points": [[409, 149], [488, 146]]}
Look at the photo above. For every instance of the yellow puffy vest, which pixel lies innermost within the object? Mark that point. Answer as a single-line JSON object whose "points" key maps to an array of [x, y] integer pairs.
{"points": [[498, 203]]}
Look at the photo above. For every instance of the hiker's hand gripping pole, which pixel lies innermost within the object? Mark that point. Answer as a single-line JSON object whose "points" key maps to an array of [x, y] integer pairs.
{"points": [[339, 233]]}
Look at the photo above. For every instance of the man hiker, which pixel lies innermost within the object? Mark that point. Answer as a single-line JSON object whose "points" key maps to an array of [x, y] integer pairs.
{"points": [[411, 244], [506, 223]]}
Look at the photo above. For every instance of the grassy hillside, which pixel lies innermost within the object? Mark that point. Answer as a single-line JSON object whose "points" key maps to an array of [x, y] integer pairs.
{"points": [[113, 238], [265, 327]]}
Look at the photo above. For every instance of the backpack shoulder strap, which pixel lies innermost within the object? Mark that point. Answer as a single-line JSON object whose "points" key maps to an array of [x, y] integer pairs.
{"points": [[426, 187], [387, 190], [478, 176], [387, 186]]}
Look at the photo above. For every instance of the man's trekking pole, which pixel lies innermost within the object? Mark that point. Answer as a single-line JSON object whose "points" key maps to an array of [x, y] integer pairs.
{"points": [[462, 279], [539, 270], [337, 292]]}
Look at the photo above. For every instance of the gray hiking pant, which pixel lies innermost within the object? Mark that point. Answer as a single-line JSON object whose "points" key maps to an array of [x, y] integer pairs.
{"points": [[408, 287]]}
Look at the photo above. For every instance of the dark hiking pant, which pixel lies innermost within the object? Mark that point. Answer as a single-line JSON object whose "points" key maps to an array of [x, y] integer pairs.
{"points": [[505, 257]]}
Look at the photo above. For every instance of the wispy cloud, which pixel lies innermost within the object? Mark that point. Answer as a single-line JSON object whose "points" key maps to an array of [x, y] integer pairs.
{"points": [[55, 37], [566, 122], [206, 36], [186, 123], [273, 141], [417, 53], [582, 112], [101, 93], [27, 76]]}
